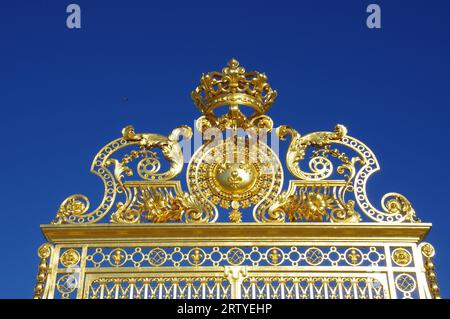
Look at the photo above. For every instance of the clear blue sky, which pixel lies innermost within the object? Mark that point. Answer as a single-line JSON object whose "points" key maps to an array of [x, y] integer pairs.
{"points": [[62, 94]]}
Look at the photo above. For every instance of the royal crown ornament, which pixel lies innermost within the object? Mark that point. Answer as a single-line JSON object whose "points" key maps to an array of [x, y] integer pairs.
{"points": [[232, 87]]}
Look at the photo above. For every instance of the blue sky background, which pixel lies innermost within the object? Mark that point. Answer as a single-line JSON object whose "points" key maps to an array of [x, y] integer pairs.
{"points": [[65, 93]]}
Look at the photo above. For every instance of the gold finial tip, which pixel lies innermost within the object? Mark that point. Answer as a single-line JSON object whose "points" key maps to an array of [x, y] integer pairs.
{"points": [[233, 63]]}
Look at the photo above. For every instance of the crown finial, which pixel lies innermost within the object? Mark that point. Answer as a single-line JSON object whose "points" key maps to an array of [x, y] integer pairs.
{"points": [[232, 87], [233, 63]]}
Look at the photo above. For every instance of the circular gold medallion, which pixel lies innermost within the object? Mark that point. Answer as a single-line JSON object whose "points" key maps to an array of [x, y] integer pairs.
{"points": [[427, 250], [45, 251], [235, 178], [401, 257], [234, 174], [70, 257]]}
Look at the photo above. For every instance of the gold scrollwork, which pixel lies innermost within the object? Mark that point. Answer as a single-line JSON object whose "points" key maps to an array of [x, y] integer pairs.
{"points": [[235, 184], [74, 205], [320, 166], [396, 209], [75, 208], [398, 204], [168, 145], [99, 167], [321, 200]]}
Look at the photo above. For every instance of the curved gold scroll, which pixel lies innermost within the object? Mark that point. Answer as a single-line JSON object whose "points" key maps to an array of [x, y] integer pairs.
{"points": [[74, 209], [396, 208]]}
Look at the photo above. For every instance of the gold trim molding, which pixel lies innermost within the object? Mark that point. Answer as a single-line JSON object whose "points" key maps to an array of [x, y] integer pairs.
{"points": [[235, 232]]}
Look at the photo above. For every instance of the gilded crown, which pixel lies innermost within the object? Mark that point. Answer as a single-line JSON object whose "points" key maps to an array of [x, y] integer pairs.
{"points": [[233, 86]]}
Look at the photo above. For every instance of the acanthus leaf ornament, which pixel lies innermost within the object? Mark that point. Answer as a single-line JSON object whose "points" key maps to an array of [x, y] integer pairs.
{"points": [[168, 145], [298, 146]]}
